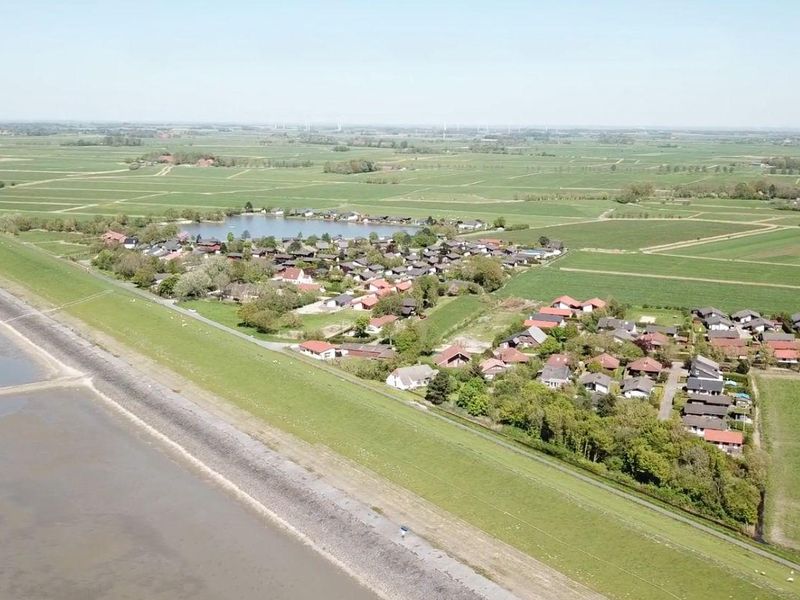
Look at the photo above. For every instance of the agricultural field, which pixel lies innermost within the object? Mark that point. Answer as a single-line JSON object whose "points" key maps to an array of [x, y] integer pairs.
{"points": [[452, 313], [633, 552], [780, 247], [779, 399]]}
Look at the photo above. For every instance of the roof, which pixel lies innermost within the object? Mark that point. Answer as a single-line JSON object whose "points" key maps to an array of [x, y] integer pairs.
{"points": [[446, 355], [551, 318], [540, 324], [492, 364], [710, 410], [556, 360], [646, 364], [317, 346], [292, 273], [568, 300], [707, 362], [783, 345], [709, 385], [637, 384], [724, 437], [606, 360], [777, 337], [381, 321], [560, 312], [710, 398], [741, 314], [414, 373], [787, 354], [704, 422], [512, 355], [554, 373], [595, 379], [594, 302]]}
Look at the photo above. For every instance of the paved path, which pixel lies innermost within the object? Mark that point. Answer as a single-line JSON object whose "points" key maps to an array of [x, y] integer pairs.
{"points": [[675, 372]]}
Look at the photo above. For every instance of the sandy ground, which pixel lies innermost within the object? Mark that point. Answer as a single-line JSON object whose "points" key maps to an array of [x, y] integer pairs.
{"points": [[373, 507]]}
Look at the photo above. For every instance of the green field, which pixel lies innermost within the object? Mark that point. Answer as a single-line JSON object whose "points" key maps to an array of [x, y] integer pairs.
{"points": [[546, 283], [451, 313], [611, 544], [779, 399], [226, 314], [781, 247], [626, 234]]}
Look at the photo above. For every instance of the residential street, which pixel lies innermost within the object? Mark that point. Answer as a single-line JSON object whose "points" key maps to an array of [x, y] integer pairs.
{"points": [[670, 388]]}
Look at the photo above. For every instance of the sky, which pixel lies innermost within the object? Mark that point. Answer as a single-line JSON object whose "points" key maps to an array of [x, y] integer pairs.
{"points": [[504, 63]]}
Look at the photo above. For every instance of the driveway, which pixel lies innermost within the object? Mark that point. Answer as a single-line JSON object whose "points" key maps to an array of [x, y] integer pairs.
{"points": [[675, 372]]}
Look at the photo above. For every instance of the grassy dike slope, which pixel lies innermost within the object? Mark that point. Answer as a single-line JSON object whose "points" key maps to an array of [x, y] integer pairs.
{"points": [[611, 544]]}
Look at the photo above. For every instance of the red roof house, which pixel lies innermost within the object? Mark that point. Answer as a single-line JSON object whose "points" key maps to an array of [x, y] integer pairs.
{"points": [[606, 361], [645, 366], [454, 356]]}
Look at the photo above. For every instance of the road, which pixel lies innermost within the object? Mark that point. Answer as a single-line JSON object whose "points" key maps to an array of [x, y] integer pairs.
{"points": [[675, 372]]}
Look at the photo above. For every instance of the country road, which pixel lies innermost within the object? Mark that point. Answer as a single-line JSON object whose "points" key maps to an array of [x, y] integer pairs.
{"points": [[675, 372]]}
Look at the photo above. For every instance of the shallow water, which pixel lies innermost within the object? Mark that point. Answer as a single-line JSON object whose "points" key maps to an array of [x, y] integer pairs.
{"points": [[16, 367], [92, 508], [259, 226]]}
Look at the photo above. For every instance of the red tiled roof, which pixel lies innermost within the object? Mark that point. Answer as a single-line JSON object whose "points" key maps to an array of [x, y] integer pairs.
{"points": [[568, 300], [381, 321], [783, 345], [559, 312], [292, 273], [404, 286], [646, 364], [594, 302], [540, 324], [728, 342], [724, 437], [787, 354], [316, 346], [309, 287], [558, 360], [606, 361], [512, 355], [449, 353]]}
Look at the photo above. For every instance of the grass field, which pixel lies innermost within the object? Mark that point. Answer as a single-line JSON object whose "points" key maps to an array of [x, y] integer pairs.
{"points": [[226, 314], [451, 313], [544, 284], [615, 546], [780, 247], [779, 399], [626, 234]]}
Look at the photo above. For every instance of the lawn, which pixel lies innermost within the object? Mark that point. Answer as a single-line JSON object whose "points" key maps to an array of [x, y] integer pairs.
{"points": [[611, 544], [662, 316], [626, 234], [779, 399], [226, 314], [452, 313]]}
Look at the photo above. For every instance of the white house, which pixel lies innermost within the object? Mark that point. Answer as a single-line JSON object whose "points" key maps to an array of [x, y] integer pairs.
{"points": [[318, 350], [409, 378]]}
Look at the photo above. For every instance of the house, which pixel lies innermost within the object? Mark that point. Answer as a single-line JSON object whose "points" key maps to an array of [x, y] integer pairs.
{"points": [[511, 356], [545, 321], [529, 338], [704, 386], [637, 387], [727, 441], [454, 356], [718, 323], [374, 351], [409, 378], [732, 348], [705, 410], [621, 336], [409, 307], [470, 225], [592, 305], [240, 292], [599, 383], [558, 312], [699, 425], [294, 275], [317, 349], [540, 323], [606, 361], [645, 366], [760, 325], [339, 301], [367, 302], [380, 286], [718, 400], [730, 334], [558, 360], [610, 323], [491, 367], [745, 316], [705, 368], [768, 337], [654, 340], [707, 312], [787, 356], [555, 377], [566, 302], [376, 324], [113, 238], [669, 331]]}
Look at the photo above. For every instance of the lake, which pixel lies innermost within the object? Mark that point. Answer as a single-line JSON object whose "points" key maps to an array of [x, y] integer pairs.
{"points": [[259, 226], [91, 507]]}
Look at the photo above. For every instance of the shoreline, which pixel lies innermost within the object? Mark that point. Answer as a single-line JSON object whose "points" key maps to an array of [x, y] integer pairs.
{"points": [[359, 540]]}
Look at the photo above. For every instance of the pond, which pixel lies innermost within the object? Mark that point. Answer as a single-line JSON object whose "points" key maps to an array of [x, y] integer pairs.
{"points": [[259, 226]]}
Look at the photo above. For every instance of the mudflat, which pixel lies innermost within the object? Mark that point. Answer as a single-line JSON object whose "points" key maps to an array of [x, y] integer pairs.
{"points": [[90, 507]]}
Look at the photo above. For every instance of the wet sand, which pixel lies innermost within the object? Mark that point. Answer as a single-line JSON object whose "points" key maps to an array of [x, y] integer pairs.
{"points": [[16, 367], [92, 508]]}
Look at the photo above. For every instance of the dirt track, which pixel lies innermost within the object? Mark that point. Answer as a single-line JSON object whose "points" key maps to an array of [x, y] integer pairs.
{"points": [[349, 530]]}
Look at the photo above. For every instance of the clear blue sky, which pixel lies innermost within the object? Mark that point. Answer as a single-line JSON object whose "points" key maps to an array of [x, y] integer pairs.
{"points": [[555, 62]]}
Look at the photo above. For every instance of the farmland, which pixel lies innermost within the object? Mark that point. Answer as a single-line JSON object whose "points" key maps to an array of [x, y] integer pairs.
{"points": [[781, 421], [780, 247], [543, 511]]}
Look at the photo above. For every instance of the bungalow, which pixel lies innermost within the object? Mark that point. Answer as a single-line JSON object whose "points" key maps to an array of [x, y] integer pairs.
{"points": [[730, 334], [610, 323], [718, 400], [623, 335], [592, 305], [531, 337], [555, 377], [645, 366], [454, 356], [727, 441], [113, 238], [732, 348], [637, 387], [669, 331], [704, 386], [491, 367], [367, 302], [409, 378], [745, 316], [556, 320], [705, 368], [705, 410], [787, 356], [708, 311], [380, 286], [699, 425], [317, 349], [470, 225], [566, 302], [511, 356], [375, 351], [409, 307], [540, 324], [718, 323], [652, 341], [294, 275], [376, 324], [599, 383], [760, 325], [767, 337], [240, 292], [403, 286], [339, 301], [558, 360], [556, 312], [606, 361]]}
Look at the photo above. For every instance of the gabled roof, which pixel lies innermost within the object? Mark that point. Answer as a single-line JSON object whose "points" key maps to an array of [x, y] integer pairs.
{"points": [[704, 385], [413, 374], [595, 379], [724, 437], [646, 364], [594, 303], [606, 361], [448, 354], [557, 360], [637, 384], [554, 373], [381, 321], [511, 356], [559, 312], [568, 300], [317, 346], [704, 422]]}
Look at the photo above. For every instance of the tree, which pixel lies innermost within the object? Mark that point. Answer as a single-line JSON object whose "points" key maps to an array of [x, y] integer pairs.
{"points": [[192, 284], [606, 404], [144, 276], [544, 241], [548, 347], [248, 206], [439, 388], [167, 286], [230, 237], [500, 223], [360, 326]]}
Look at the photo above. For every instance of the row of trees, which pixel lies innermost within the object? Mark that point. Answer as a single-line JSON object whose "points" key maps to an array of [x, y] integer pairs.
{"points": [[349, 167]]}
